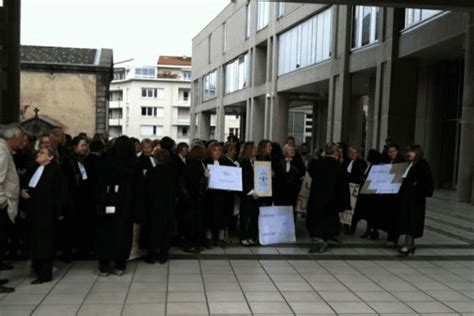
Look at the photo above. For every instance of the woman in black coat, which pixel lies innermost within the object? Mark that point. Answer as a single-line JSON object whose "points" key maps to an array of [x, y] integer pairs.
{"points": [[161, 185], [116, 206], [220, 202], [44, 198], [249, 199], [193, 187], [416, 187], [289, 174]]}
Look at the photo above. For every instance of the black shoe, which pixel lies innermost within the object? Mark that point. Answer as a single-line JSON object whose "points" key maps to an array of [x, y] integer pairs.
{"points": [[3, 281], [208, 244], [38, 281], [163, 258], [189, 249], [406, 250], [4, 289], [374, 235], [365, 235], [5, 267], [150, 259]]}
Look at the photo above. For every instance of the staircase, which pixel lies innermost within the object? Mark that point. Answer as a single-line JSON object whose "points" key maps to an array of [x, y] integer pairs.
{"points": [[446, 216]]}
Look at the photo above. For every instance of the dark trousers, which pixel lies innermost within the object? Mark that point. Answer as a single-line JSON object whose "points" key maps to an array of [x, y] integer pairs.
{"points": [[194, 223], [104, 265], [248, 219], [160, 234], [4, 229], [43, 269]]}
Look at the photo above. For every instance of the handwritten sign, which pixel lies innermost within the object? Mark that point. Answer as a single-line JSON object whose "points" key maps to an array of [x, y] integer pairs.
{"points": [[263, 178], [225, 178], [303, 196], [276, 225], [384, 179], [346, 216]]}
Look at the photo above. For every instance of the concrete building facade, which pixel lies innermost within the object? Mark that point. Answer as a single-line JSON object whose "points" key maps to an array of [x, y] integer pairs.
{"points": [[369, 74]]}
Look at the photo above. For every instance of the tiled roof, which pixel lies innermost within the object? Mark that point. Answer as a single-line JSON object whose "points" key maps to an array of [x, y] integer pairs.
{"points": [[66, 56], [174, 60]]}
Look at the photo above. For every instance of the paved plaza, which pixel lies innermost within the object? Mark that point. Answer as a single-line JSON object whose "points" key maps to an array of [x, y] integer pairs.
{"points": [[355, 277]]}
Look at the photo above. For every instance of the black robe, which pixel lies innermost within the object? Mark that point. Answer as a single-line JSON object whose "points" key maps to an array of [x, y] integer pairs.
{"points": [[114, 232], [416, 187], [289, 183], [220, 202], [249, 210], [357, 174], [329, 195], [193, 186], [45, 205], [161, 189]]}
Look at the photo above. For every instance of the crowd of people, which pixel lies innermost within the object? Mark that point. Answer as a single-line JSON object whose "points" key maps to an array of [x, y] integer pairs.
{"points": [[79, 198]]}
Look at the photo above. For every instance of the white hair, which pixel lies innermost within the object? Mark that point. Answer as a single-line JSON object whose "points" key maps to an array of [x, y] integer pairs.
{"points": [[9, 132], [285, 149]]}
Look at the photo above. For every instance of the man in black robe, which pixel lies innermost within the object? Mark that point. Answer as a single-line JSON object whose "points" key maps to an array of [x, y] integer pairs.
{"points": [[161, 188], [329, 196], [179, 161], [44, 190]]}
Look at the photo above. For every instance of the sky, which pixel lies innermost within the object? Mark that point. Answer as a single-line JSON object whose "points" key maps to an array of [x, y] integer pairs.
{"points": [[139, 29]]}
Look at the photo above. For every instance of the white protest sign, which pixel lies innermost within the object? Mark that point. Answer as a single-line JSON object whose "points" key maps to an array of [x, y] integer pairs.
{"points": [[346, 216], [384, 179], [263, 178], [225, 178], [276, 225], [303, 196]]}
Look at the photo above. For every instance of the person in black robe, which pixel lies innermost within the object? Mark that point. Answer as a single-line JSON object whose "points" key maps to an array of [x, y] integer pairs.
{"points": [[230, 154], [329, 196], [161, 189], [249, 208], [83, 212], [179, 161], [44, 199], [289, 174], [416, 187], [220, 202], [193, 186], [391, 202], [116, 207], [356, 169], [145, 163]]}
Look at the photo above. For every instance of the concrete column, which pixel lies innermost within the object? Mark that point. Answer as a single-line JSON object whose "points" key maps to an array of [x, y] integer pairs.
{"points": [[256, 120], [192, 126], [371, 120], [466, 154], [204, 125], [220, 123], [248, 120], [340, 83], [10, 63], [278, 121]]}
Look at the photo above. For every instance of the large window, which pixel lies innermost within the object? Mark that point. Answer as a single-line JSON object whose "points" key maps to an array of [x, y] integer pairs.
{"points": [[263, 13], [248, 17], [115, 113], [415, 16], [116, 95], [155, 93], [305, 44], [236, 74], [152, 111], [145, 73], [366, 20], [119, 74], [280, 9], [186, 75], [151, 130], [209, 86]]}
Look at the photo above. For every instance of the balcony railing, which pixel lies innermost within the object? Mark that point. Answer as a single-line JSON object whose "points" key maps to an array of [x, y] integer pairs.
{"points": [[183, 103]]}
